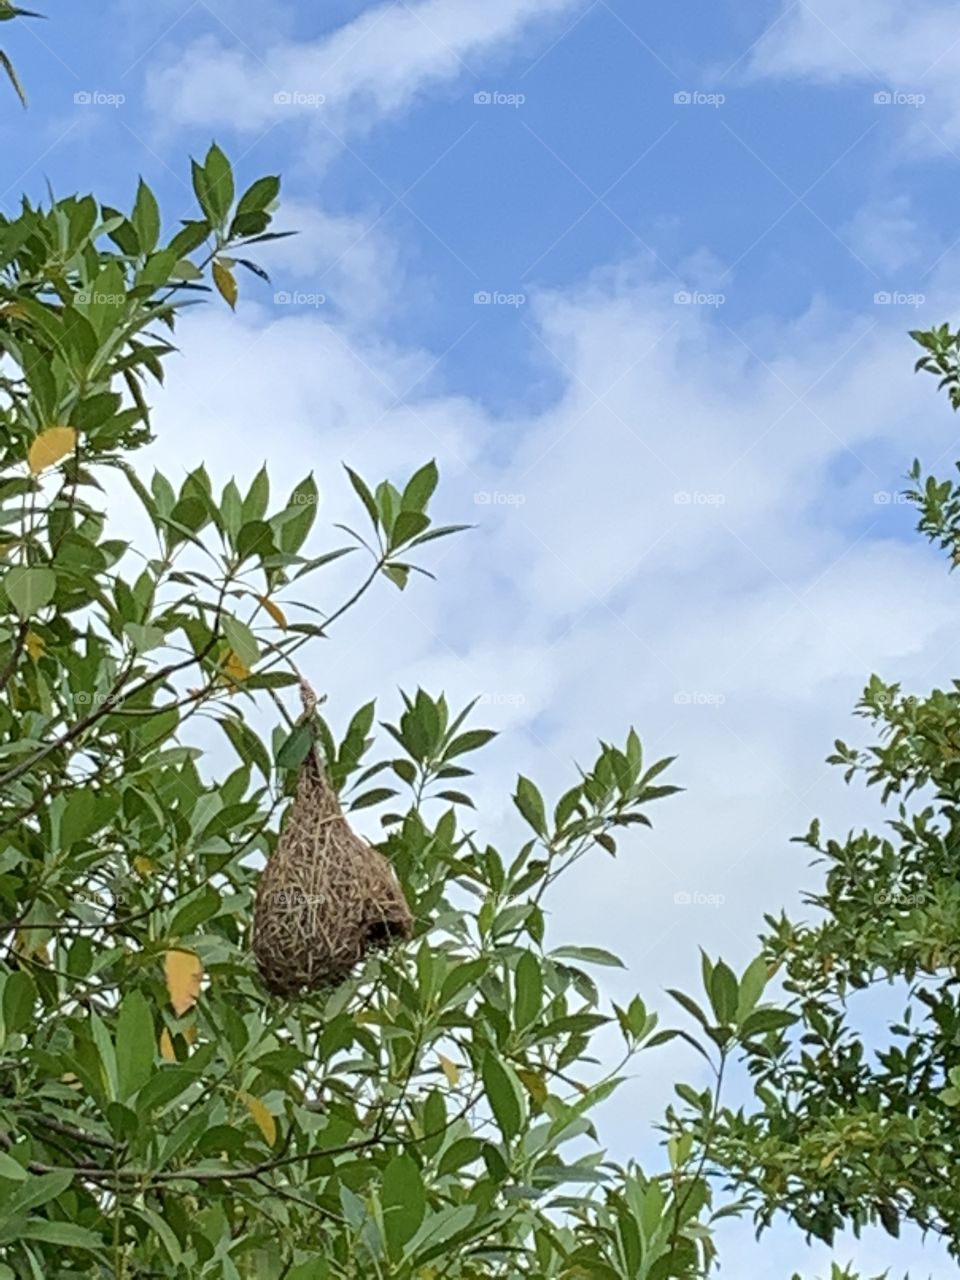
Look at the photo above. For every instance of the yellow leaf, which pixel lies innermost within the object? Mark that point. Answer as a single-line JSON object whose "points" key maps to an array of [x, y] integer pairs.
{"points": [[144, 866], [166, 1042], [534, 1085], [34, 645], [450, 1070], [236, 668], [224, 279], [184, 972], [262, 1117], [275, 612], [50, 446]]}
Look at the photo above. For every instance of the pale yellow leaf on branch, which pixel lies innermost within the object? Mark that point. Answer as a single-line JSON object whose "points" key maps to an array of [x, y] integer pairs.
{"points": [[50, 446], [275, 612], [226, 283], [450, 1070], [184, 973], [235, 668], [535, 1085], [167, 1051], [263, 1118]]}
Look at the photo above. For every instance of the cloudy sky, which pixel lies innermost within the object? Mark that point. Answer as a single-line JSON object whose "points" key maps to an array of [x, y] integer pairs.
{"points": [[639, 277]]}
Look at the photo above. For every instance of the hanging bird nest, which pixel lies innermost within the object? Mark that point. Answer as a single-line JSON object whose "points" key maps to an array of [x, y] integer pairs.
{"points": [[325, 898]]}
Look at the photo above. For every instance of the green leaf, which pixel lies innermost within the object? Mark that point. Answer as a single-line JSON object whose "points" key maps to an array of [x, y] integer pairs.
{"points": [[259, 196], [365, 496], [589, 955], [301, 510], [241, 640], [690, 1005], [724, 993], [296, 748], [530, 803], [107, 1053], [504, 1094], [255, 539], [11, 73], [472, 740], [202, 191], [442, 532], [29, 590], [529, 984], [166, 1085], [11, 1170], [144, 638], [406, 770], [763, 1020], [247, 745], [406, 527], [219, 184], [438, 1230], [420, 488], [39, 1189], [404, 1202], [190, 237], [752, 986], [146, 218], [388, 504], [231, 508], [80, 817], [369, 798], [158, 1224], [136, 1045], [19, 997], [255, 503], [62, 1233]]}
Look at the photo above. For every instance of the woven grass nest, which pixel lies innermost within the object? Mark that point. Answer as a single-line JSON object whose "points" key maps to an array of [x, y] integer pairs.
{"points": [[325, 898]]}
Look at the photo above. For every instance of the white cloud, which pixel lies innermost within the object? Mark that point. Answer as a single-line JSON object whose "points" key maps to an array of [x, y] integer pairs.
{"points": [[888, 46], [338, 264], [372, 67], [598, 598], [887, 235]]}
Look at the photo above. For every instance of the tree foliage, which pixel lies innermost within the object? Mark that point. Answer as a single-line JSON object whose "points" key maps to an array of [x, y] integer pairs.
{"points": [[159, 1114], [847, 1131], [432, 1118]]}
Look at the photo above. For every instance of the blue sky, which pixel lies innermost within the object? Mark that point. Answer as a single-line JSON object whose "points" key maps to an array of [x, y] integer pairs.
{"points": [[685, 509]]}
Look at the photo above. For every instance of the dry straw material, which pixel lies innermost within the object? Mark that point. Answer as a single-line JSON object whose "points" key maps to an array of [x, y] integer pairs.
{"points": [[325, 898]]}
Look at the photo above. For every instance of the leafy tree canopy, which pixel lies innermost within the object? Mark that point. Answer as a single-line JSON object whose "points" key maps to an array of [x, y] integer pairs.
{"points": [[432, 1117]]}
